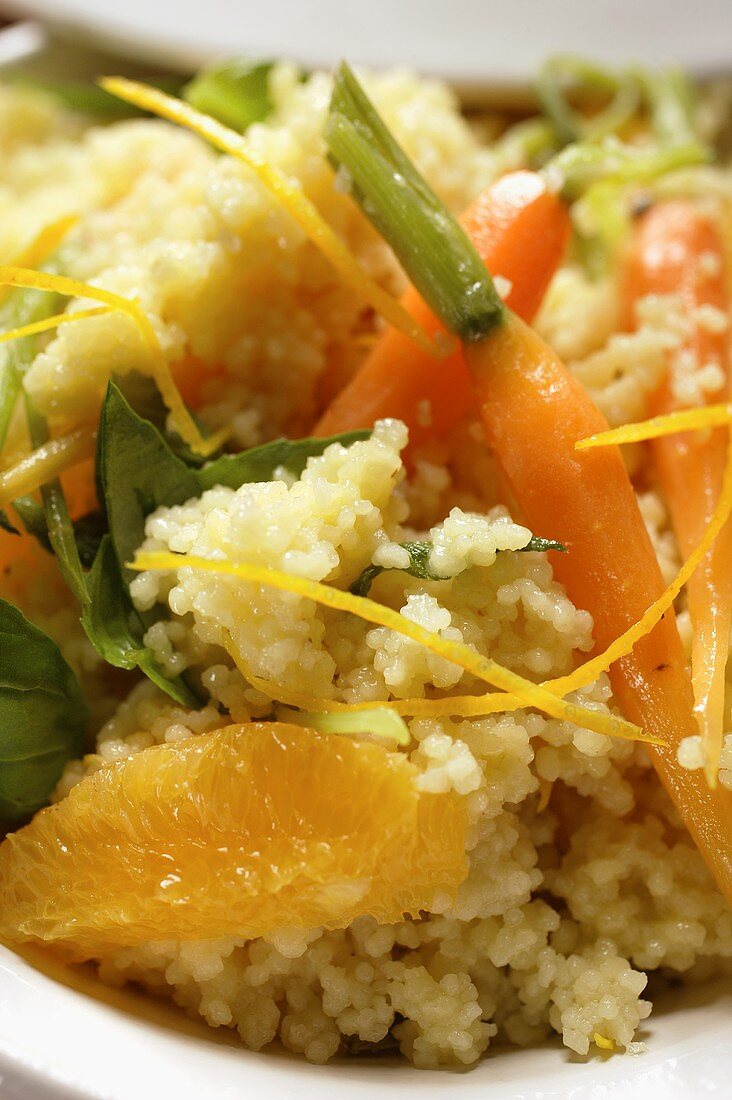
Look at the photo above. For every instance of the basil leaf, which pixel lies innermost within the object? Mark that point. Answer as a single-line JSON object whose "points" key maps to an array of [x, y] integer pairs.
{"points": [[56, 514], [260, 463], [90, 99], [33, 518], [137, 473], [88, 529], [42, 716], [419, 553], [236, 92], [116, 630], [6, 525], [143, 397]]}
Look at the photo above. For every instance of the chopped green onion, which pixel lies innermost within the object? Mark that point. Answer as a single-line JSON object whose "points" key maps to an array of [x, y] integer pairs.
{"points": [[234, 92], [672, 105], [579, 166], [527, 142], [561, 73], [434, 251], [377, 722]]}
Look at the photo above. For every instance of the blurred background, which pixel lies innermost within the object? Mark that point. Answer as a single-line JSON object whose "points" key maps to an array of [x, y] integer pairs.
{"points": [[488, 48]]}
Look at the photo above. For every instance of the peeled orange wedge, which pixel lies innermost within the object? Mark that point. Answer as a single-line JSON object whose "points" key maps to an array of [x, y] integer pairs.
{"points": [[238, 832]]}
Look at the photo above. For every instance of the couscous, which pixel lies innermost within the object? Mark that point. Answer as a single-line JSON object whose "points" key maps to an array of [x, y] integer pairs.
{"points": [[315, 781]]}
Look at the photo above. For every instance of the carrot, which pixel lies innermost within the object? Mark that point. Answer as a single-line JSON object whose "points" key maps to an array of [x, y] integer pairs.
{"points": [[678, 250], [520, 229], [533, 412]]}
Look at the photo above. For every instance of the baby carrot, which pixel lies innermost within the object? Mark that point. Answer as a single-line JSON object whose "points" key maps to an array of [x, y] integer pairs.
{"points": [[532, 413], [677, 250], [520, 229]]}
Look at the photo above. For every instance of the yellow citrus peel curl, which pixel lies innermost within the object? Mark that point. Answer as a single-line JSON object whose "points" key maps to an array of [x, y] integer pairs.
{"points": [[710, 416], [73, 288], [290, 195], [529, 694]]}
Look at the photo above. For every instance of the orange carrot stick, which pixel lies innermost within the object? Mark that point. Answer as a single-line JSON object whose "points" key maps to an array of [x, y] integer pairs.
{"points": [[520, 230], [678, 250], [533, 412]]}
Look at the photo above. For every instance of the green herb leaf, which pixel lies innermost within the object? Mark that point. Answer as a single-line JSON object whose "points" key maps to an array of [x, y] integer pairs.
{"points": [[432, 248], [672, 104], [236, 92], [88, 529], [260, 463], [58, 521], [137, 473], [6, 525], [143, 397], [89, 99], [42, 716], [419, 554], [116, 630]]}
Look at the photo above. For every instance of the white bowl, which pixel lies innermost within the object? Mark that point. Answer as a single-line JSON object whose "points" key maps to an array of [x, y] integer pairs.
{"points": [[62, 1041], [476, 44], [63, 1035]]}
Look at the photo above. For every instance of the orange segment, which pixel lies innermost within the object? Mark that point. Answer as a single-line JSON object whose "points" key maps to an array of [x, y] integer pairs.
{"points": [[238, 832]]}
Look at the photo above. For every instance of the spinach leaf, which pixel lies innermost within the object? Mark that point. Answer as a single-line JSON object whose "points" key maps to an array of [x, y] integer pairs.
{"points": [[58, 521], [6, 525], [137, 473], [89, 99], [419, 553], [143, 397], [260, 463], [33, 518], [42, 716], [236, 92], [88, 529], [116, 630]]}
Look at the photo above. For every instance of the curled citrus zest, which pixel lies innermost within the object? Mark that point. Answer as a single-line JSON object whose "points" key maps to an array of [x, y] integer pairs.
{"points": [[43, 245], [450, 706], [591, 669], [185, 425], [706, 417], [373, 721], [47, 323], [46, 462], [532, 695], [287, 193], [685, 420]]}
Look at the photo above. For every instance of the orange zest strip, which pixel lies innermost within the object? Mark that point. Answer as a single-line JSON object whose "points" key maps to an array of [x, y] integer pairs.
{"points": [[46, 463], [622, 645], [532, 695], [685, 420], [287, 193], [35, 327], [73, 288], [43, 245]]}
